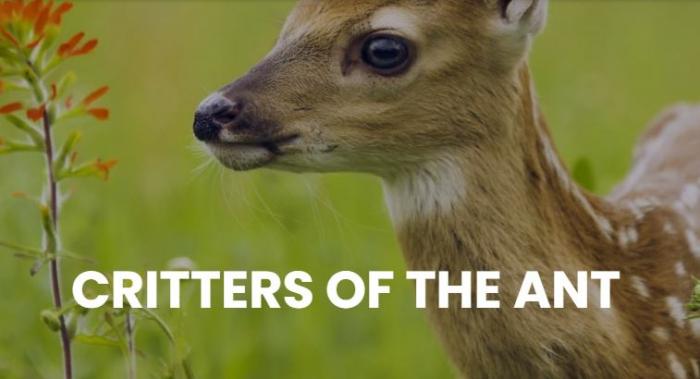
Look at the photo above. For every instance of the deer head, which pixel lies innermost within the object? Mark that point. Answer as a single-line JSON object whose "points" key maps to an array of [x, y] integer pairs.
{"points": [[374, 86], [434, 96]]}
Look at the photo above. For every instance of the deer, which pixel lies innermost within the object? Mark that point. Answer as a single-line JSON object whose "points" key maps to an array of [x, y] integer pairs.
{"points": [[436, 99]]}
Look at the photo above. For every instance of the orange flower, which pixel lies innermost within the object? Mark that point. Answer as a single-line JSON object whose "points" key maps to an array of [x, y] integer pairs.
{"points": [[70, 48], [103, 168], [95, 95], [87, 48], [43, 19], [9, 36], [19, 195], [36, 114], [66, 48], [38, 14], [35, 12], [11, 9], [101, 114], [57, 14], [31, 10], [36, 42], [9, 108]]}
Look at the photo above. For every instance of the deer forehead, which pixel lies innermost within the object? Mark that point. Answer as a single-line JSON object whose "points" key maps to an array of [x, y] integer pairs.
{"points": [[331, 32], [321, 20]]}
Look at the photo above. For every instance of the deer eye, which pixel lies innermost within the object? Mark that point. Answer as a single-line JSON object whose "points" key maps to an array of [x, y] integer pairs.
{"points": [[386, 54]]}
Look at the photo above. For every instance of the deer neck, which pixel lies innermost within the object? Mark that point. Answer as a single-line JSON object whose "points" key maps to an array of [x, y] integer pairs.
{"points": [[509, 206]]}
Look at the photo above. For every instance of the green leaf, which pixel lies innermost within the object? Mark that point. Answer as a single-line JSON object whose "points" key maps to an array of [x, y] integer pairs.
{"points": [[9, 56], [583, 174], [62, 161], [27, 251], [96, 168], [49, 231], [83, 170], [64, 254], [29, 130], [11, 147], [39, 257], [50, 38], [65, 83], [29, 257], [150, 315], [97, 341]]}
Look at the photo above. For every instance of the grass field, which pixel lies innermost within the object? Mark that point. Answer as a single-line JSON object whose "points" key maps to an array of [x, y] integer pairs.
{"points": [[603, 69]]}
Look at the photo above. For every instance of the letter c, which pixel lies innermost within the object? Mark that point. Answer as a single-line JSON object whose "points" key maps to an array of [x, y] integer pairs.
{"points": [[79, 295]]}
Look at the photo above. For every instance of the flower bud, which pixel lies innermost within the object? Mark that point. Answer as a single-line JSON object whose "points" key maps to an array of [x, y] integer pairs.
{"points": [[51, 319]]}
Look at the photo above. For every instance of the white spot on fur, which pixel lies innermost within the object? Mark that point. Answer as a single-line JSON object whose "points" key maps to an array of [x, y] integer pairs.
{"points": [[693, 243], [676, 309], [640, 207], [622, 238], [633, 235], [425, 192], [648, 155], [640, 168], [638, 214], [660, 334], [628, 236], [680, 269], [640, 285], [676, 367], [690, 196], [669, 228]]}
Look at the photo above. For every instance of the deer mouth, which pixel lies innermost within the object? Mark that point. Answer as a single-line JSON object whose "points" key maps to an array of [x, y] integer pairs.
{"points": [[250, 154]]}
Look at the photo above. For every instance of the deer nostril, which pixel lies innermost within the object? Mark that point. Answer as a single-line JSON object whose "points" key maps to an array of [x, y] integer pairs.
{"points": [[227, 114], [214, 114]]}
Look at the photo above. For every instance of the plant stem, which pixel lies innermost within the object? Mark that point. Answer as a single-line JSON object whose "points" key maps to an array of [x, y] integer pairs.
{"points": [[131, 345], [54, 269], [51, 235]]}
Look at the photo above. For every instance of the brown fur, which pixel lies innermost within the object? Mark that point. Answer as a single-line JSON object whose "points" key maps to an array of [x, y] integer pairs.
{"points": [[473, 184]]}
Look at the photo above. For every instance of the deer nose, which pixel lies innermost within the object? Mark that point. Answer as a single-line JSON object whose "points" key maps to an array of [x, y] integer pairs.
{"points": [[213, 114]]}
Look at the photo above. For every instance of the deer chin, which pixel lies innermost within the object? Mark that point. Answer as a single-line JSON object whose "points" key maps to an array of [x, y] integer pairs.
{"points": [[241, 157], [249, 155]]}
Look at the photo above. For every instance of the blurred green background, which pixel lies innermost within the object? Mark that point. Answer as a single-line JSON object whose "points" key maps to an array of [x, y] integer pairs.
{"points": [[603, 69]]}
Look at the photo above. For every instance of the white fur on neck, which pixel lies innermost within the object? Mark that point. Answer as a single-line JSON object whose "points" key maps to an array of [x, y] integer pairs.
{"points": [[430, 190]]}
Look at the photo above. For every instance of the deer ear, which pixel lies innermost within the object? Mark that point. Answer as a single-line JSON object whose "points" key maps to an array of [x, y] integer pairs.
{"points": [[529, 16]]}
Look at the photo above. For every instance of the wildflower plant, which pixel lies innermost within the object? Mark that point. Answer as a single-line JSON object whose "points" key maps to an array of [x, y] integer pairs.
{"points": [[40, 99], [35, 99]]}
